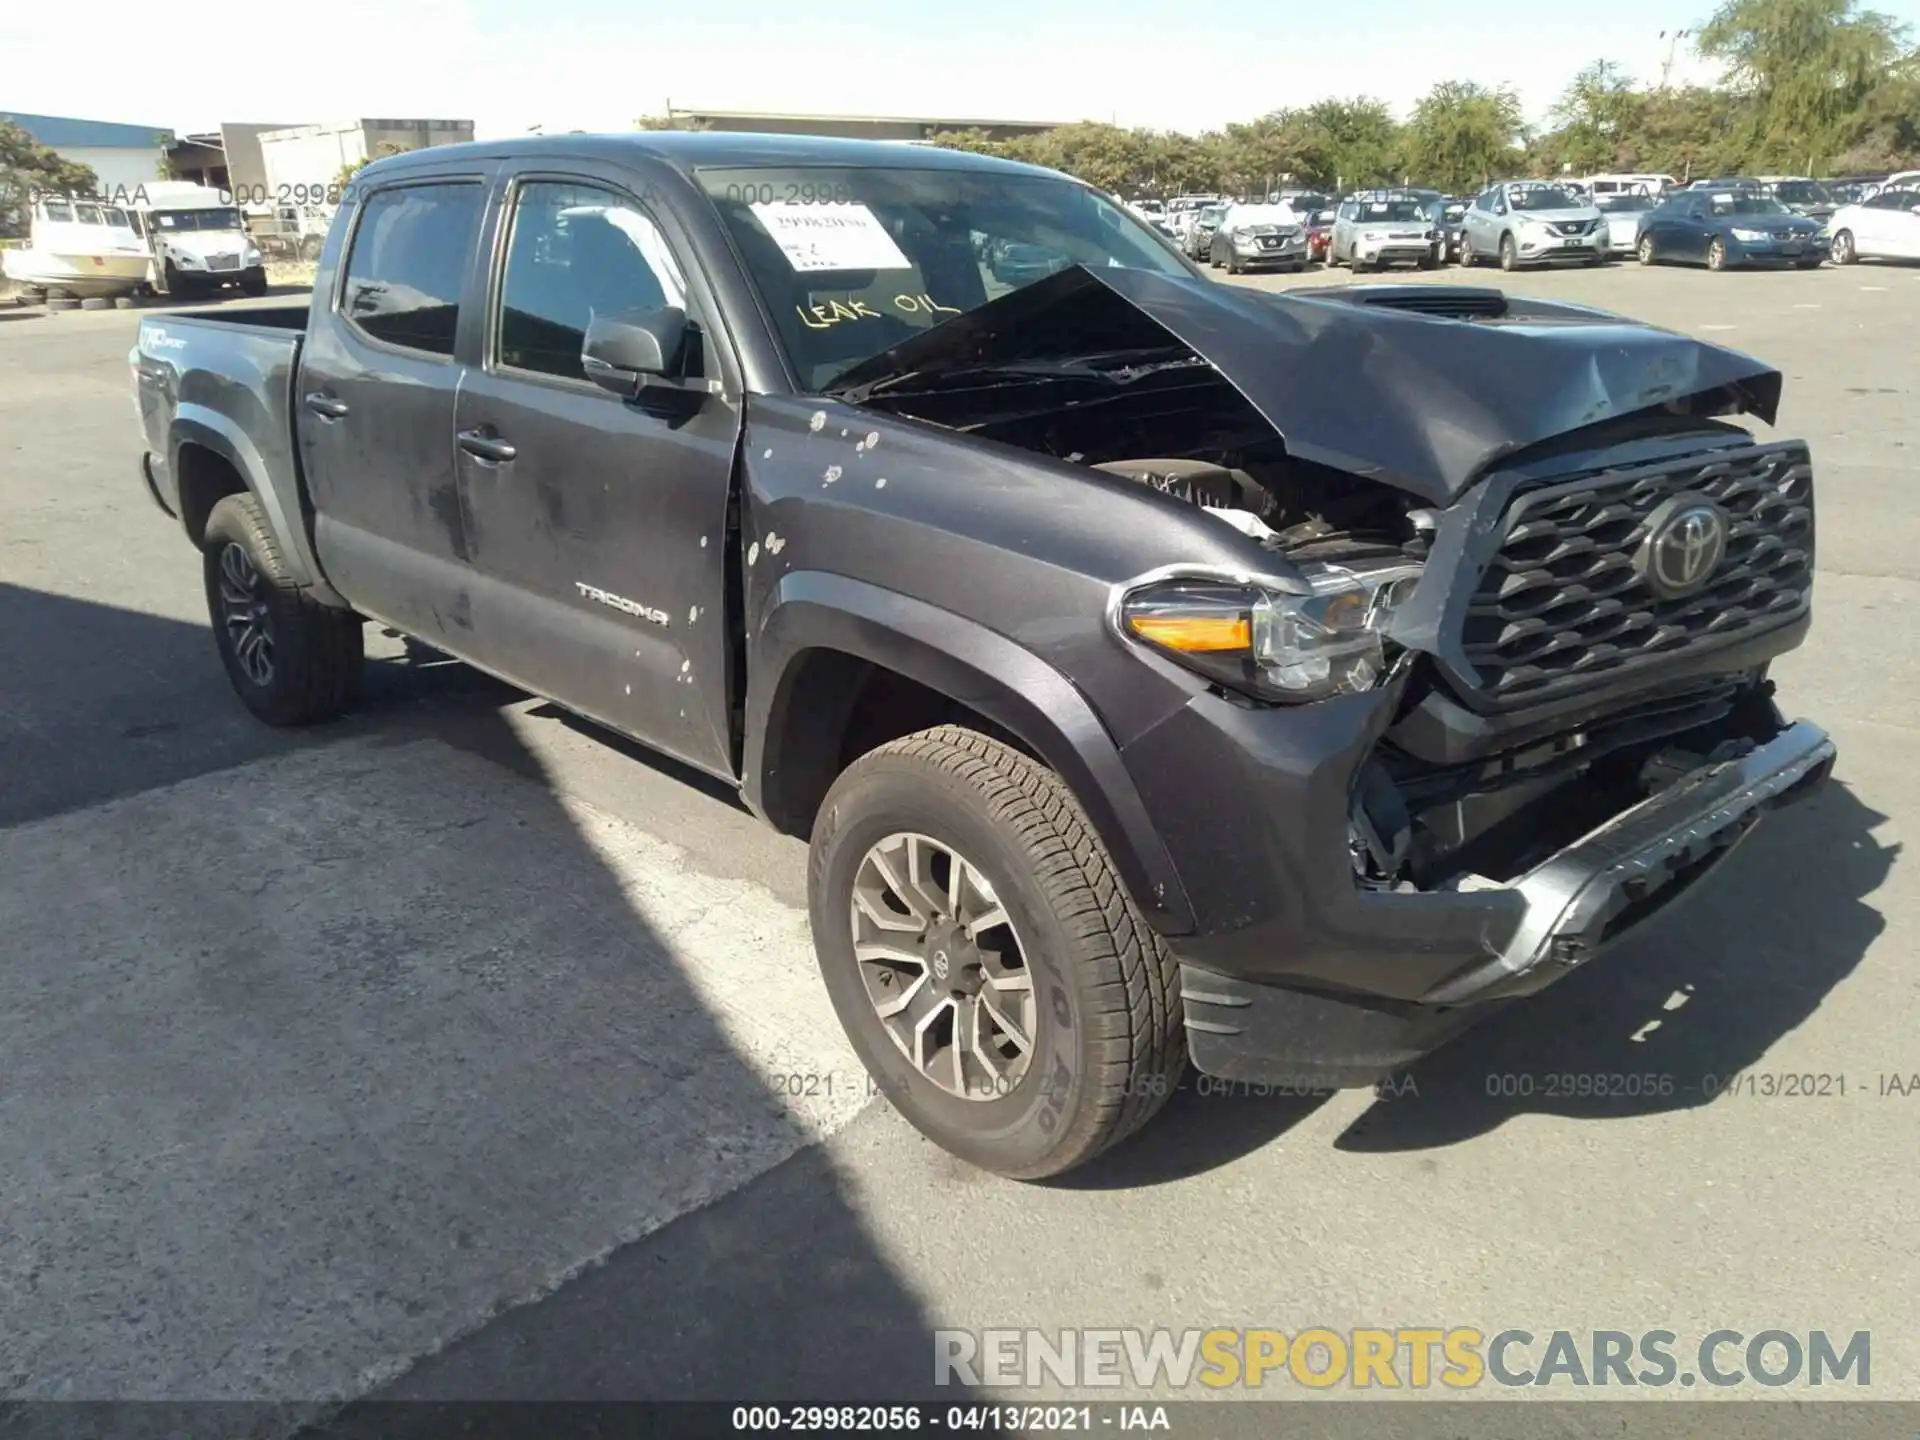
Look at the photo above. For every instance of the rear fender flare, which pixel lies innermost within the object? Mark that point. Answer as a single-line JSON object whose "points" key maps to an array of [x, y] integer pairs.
{"points": [[217, 433], [979, 668]]}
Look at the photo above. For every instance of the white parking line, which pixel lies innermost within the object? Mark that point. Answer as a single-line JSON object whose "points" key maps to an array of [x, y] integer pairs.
{"points": [[315, 1064], [1809, 305], [1872, 287], [1718, 327]]}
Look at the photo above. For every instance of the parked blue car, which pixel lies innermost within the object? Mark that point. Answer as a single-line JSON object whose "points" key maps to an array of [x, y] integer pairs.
{"points": [[1724, 228]]}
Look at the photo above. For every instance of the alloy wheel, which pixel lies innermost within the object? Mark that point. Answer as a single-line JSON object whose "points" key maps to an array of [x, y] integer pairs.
{"points": [[1645, 250], [245, 616], [1717, 255], [1843, 251], [943, 967]]}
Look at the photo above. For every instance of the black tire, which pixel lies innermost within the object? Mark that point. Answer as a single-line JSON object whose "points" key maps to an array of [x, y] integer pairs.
{"points": [[1509, 255], [125, 302], [1644, 250], [316, 650], [96, 302], [254, 282], [62, 302], [1845, 252], [1466, 257], [1109, 1046]]}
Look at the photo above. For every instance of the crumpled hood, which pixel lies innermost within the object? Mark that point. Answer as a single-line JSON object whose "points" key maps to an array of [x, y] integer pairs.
{"points": [[1417, 401]]}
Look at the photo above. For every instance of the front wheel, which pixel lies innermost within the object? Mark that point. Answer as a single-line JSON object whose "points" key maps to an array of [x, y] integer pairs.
{"points": [[984, 959], [254, 282], [291, 660], [1465, 259], [1509, 256], [1645, 250], [1845, 252], [1717, 255]]}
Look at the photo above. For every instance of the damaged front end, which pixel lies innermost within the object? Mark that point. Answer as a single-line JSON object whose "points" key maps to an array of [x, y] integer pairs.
{"points": [[1491, 687]]}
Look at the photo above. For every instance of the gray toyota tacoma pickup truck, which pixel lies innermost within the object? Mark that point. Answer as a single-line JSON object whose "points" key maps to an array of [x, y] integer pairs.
{"points": [[1163, 670]]}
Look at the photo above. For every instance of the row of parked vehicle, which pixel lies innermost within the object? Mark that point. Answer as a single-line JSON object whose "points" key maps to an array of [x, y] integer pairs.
{"points": [[1721, 223]]}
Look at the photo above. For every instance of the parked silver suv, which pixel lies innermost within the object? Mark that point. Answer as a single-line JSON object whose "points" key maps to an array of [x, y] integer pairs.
{"points": [[1532, 222], [1377, 228]]}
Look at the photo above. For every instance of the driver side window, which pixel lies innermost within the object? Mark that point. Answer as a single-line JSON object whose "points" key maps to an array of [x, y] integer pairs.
{"points": [[576, 252]]}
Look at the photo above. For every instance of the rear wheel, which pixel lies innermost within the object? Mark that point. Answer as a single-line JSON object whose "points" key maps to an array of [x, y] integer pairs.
{"points": [[291, 660], [987, 965], [1845, 252]]}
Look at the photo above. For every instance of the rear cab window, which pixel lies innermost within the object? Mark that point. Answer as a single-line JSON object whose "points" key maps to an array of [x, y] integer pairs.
{"points": [[407, 263]]}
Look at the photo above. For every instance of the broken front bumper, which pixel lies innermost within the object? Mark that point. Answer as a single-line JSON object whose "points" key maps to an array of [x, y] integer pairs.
{"points": [[1596, 888], [1326, 983]]}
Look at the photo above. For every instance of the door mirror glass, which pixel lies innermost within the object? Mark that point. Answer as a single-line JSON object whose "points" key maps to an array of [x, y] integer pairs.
{"points": [[623, 351]]}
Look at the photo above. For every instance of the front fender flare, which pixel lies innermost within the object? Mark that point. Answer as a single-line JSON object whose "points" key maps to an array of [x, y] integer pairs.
{"points": [[978, 667]]}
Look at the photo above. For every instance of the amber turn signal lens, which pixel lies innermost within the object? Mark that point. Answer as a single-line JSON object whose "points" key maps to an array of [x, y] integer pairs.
{"points": [[1194, 634]]}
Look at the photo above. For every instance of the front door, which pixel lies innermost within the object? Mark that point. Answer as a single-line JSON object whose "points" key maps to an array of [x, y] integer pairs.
{"points": [[599, 523], [374, 405]]}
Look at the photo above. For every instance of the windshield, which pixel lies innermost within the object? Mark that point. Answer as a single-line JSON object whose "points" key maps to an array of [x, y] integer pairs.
{"points": [[1802, 192], [1614, 204], [851, 262], [1307, 204], [1543, 197], [1746, 204], [214, 219], [1210, 214], [1245, 215], [1390, 210]]}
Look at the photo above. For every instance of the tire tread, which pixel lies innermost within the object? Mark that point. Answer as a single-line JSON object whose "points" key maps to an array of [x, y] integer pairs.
{"points": [[1129, 980]]}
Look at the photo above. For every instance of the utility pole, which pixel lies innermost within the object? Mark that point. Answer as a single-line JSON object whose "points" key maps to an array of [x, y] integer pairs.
{"points": [[1673, 45]]}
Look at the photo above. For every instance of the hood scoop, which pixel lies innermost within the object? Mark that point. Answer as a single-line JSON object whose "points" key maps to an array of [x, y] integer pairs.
{"points": [[1448, 302]]}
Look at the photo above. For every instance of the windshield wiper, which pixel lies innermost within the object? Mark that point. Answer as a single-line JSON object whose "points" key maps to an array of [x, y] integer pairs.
{"points": [[1087, 369]]}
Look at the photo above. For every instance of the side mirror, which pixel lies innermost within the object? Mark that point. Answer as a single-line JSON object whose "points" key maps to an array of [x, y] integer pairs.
{"points": [[626, 351]]}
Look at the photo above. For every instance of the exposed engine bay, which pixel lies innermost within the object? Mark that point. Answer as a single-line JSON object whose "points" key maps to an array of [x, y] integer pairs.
{"points": [[1421, 819]]}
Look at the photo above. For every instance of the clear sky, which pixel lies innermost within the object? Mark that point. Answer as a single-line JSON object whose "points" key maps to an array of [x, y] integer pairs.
{"points": [[510, 65]]}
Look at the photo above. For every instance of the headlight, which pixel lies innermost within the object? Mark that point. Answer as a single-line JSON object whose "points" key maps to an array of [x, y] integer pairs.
{"points": [[1272, 645], [1740, 234]]}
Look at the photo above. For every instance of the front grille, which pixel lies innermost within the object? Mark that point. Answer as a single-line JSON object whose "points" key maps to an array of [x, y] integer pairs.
{"points": [[1562, 603], [223, 262], [1572, 227]]}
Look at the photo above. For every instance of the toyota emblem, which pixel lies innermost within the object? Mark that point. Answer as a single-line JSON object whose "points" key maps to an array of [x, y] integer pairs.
{"points": [[1686, 540]]}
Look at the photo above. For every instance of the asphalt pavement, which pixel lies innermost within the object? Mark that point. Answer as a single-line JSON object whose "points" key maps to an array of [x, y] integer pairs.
{"points": [[460, 1050]]}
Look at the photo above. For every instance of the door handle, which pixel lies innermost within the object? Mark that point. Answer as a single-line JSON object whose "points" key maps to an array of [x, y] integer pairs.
{"points": [[321, 403], [482, 446]]}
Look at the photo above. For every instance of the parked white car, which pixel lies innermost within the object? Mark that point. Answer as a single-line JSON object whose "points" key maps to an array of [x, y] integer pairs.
{"points": [[1374, 229], [1624, 210], [1884, 227]]}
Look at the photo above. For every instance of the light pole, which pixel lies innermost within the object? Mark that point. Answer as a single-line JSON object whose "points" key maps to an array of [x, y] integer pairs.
{"points": [[1673, 40]]}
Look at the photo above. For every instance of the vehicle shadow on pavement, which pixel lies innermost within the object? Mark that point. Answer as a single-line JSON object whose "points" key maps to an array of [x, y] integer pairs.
{"points": [[1207, 1124], [1668, 1020], [375, 1051]]}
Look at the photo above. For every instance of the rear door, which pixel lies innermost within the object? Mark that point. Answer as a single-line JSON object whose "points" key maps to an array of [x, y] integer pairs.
{"points": [[1900, 223], [375, 404], [599, 523]]}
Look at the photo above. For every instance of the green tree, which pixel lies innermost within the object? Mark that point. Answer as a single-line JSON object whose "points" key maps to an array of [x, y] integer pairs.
{"points": [[975, 142], [27, 166], [354, 167], [1462, 134], [1594, 120], [1352, 142], [1808, 67]]}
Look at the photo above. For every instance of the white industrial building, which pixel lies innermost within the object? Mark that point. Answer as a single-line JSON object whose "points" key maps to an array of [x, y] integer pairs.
{"points": [[315, 154], [122, 157]]}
